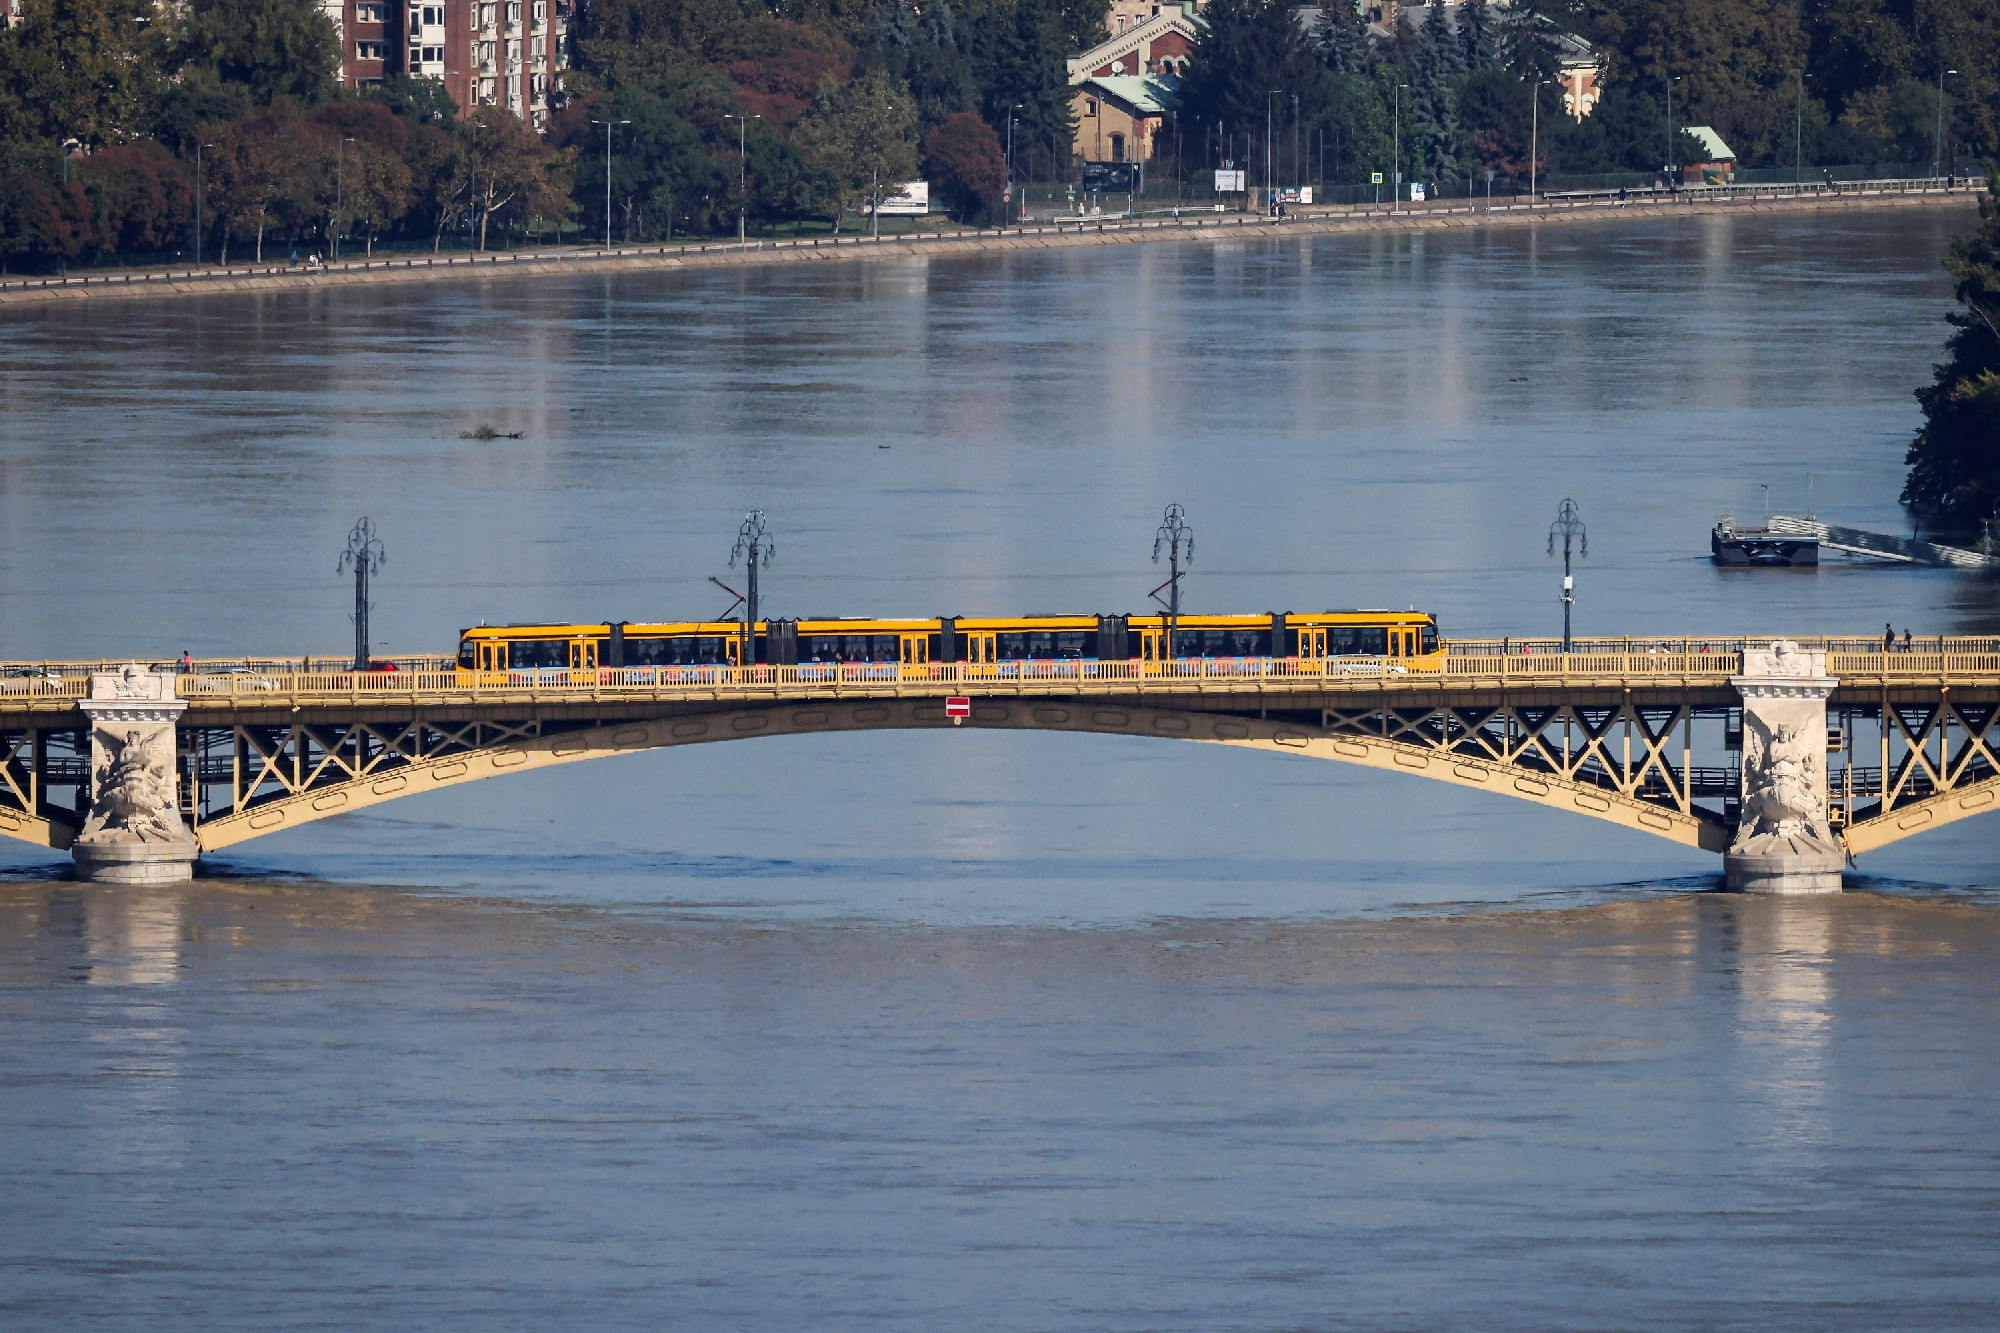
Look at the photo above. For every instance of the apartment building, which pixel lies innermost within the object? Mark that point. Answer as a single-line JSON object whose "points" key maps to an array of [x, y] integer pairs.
{"points": [[507, 53]]}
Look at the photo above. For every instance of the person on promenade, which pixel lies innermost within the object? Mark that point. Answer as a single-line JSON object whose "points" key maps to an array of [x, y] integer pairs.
{"points": [[187, 662], [1906, 640], [1888, 638]]}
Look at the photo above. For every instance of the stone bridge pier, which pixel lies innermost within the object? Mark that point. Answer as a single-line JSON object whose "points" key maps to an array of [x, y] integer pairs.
{"points": [[133, 833], [1783, 843]]}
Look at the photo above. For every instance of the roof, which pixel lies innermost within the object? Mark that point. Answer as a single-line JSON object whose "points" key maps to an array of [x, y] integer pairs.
{"points": [[1148, 94], [1173, 17], [1711, 143]]}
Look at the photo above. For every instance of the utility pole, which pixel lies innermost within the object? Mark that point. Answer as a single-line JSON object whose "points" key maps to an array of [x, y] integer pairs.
{"points": [[1937, 144], [1270, 194], [742, 171], [1007, 191], [753, 548], [1534, 135], [364, 555], [1177, 539], [608, 129], [1568, 526]]}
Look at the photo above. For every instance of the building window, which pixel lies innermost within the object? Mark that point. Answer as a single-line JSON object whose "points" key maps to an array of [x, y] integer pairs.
{"points": [[1090, 106], [368, 50], [369, 13], [1117, 148]]}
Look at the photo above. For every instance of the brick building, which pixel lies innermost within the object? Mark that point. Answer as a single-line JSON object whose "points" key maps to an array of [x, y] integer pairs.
{"points": [[506, 53]]}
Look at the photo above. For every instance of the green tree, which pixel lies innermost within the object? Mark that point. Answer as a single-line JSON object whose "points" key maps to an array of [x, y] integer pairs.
{"points": [[511, 172], [859, 142], [1021, 54], [266, 48], [1954, 461], [1248, 49], [86, 70]]}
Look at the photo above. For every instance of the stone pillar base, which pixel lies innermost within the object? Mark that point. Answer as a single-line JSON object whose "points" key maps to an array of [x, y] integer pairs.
{"points": [[1784, 872], [134, 862]]}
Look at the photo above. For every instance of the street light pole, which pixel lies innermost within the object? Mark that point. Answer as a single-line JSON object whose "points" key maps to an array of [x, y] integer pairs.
{"points": [[1177, 538], [1670, 129], [1799, 136], [1937, 144], [753, 548], [1270, 195], [1568, 526], [364, 555], [198, 146], [1396, 151], [608, 130], [1534, 134], [1007, 191], [339, 195], [742, 171]]}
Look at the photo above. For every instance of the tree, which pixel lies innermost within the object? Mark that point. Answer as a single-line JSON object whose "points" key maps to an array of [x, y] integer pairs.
{"points": [[86, 70], [140, 201], [1022, 53], [859, 141], [509, 169], [1954, 461], [267, 48], [963, 159]]}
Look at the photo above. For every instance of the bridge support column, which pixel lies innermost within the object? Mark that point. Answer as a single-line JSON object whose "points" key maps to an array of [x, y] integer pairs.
{"points": [[1783, 843], [134, 833]]}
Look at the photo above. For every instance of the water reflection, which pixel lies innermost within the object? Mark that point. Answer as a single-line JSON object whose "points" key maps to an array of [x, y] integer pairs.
{"points": [[132, 935], [1785, 971]]}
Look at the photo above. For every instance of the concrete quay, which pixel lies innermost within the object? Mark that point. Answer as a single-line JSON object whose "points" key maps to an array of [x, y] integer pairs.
{"points": [[1444, 215]]}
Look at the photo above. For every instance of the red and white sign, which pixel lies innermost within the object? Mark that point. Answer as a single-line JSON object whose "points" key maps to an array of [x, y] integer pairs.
{"points": [[958, 708]]}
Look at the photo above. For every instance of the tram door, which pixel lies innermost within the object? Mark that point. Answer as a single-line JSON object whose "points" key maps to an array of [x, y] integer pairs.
{"points": [[1312, 642], [1152, 643], [979, 649], [916, 649], [1402, 641], [732, 647], [582, 654], [492, 656]]}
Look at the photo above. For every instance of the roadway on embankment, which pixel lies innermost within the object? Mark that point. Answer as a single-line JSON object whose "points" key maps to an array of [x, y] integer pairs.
{"points": [[1208, 228]]}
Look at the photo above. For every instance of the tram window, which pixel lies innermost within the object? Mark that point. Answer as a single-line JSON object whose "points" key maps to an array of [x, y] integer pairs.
{"points": [[1222, 643], [1073, 644], [538, 653], [1357, 640], [465, 654], [850, 648], [1430, 638]]}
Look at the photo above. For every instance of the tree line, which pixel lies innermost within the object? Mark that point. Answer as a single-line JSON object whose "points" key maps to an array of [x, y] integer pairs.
{"points": [[116, 114], [1453, 92], [123, 123]]}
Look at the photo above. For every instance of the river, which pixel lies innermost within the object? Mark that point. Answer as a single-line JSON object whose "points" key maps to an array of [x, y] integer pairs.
{"points": [[993, 1029]]}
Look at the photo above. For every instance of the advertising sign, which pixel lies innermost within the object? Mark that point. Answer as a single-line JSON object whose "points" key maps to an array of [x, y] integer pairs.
{"points": [[1111, 177], [1228, 181], [1416, 192], [1296, 194], [912, 201]]}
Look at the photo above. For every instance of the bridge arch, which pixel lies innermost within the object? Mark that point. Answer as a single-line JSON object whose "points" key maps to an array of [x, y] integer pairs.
{"points": [[526, 749]]}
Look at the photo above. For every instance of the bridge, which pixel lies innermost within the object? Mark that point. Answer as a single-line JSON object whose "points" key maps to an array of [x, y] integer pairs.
{"points": [[1789, 756]]}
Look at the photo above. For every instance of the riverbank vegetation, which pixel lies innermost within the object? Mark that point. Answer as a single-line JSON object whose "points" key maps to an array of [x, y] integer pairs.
{"points": [[1954, 462], [142, 131]]}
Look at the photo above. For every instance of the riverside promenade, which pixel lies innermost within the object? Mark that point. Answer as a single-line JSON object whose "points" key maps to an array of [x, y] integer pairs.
{"points": [[1206, 228]]}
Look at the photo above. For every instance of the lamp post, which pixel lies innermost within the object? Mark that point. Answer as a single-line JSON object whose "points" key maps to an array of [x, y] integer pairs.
{"points": [[1177, 539], [1937, 144], [1535, 135], [364, 555], [1670, 129], [62, 260], [339, 195], [1295, 140], [1568, 526], [1006, 190], [1270, 194], [609, 129], [1799, 136], [198, 146], [742, 171], [752, 547], [1396, 150]]}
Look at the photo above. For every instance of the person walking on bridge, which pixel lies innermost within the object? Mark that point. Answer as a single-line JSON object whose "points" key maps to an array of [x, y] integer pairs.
{"points": [[1888, 638], [1906, 640]]}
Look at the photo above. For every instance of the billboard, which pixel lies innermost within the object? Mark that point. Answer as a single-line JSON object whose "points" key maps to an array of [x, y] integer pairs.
{"points": [[1295, 194], [1227, 182], [1111, 177], [912, 201]]}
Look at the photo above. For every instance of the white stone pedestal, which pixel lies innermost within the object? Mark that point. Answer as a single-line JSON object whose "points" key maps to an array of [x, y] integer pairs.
{"points": [[1783, 843], [134, 833]]}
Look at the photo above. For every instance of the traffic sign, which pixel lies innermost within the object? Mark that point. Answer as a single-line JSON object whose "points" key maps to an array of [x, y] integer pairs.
{"points": [[958, 708], [1374, 178]]}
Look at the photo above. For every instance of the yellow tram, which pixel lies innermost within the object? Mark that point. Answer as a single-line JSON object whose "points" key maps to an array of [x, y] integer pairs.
{"points": [[1406, 639]]}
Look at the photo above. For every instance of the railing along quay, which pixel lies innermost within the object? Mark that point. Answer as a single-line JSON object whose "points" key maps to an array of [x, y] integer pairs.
{"points": [[498, 262]]}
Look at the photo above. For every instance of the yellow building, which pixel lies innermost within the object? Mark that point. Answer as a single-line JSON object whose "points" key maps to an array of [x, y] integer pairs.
{"points": [[1118, 115]]}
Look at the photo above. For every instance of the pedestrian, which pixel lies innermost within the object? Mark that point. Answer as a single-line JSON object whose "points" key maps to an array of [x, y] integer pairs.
{"points": [[187, 662], [1906, 640], [1888, 638]]}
